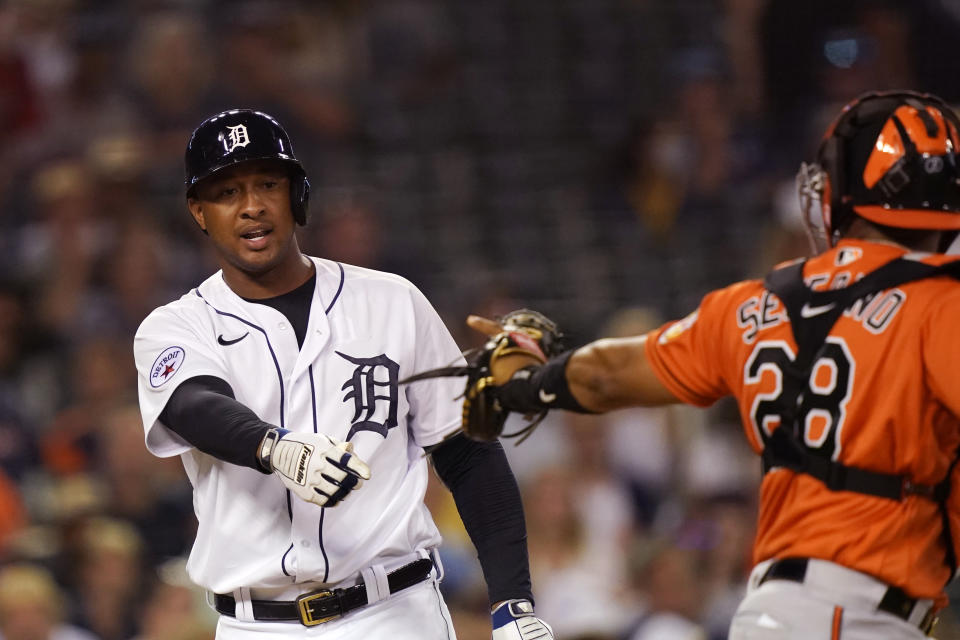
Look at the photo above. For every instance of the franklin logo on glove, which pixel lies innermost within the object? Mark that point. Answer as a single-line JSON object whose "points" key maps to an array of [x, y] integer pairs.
{"points": [[302, 465], [314, 467]]}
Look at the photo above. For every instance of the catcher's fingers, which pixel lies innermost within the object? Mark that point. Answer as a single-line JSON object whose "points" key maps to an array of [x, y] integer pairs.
{"points": [[486, 326]]}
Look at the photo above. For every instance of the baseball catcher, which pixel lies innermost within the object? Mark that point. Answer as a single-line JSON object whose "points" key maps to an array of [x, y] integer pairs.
{"points": [[844, 368]]}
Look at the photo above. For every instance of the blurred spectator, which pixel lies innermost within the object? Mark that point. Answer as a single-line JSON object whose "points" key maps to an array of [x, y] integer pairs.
{"points": [[12, 514], [176, 608], [130, 281], [720, 437], [410, 52], [59, 249], [99, 373], [679, 197], [573, 592], [729, 521], [670, 584], [87, 100], [172, 66], [28, 373], [602, 500], [151, 493], [19, 102], [107, 578], [646, 446], [42, 30], [324, 62], [347, 227], [32, 606], [349, 231]]}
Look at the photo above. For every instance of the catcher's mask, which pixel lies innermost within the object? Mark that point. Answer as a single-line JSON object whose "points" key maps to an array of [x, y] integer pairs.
{"points": [[889, 157], [243, 135]]}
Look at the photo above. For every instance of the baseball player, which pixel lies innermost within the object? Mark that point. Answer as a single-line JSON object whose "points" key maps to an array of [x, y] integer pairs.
{"points": [[276, 382], [844, 367]]}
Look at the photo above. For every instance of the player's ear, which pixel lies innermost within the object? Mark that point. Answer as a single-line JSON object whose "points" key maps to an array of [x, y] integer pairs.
{"points": [[196, 210]]}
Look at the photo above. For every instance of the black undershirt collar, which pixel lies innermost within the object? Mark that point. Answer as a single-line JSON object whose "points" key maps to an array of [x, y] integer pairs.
{"points": [[295, 305]]}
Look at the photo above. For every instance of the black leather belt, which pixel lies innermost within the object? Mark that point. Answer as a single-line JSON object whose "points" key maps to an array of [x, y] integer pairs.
{"points": [[320, 606], [894, 601]]}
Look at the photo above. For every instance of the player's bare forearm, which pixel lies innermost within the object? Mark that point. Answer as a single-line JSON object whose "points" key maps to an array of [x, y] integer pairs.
{"points": [[614, 373]]}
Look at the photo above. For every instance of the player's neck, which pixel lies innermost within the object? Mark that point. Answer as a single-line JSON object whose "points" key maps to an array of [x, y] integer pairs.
{"points": [[909, 239], [281, 279]]}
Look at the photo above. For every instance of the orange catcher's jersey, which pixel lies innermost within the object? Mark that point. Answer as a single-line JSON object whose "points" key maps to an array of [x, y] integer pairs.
{"points": [[884, 395]]}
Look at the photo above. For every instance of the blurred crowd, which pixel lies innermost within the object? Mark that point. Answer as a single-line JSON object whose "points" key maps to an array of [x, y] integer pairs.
{"points": [[604, 161]]}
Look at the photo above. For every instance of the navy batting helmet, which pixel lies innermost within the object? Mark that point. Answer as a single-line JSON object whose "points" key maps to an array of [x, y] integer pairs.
{"points": [[242, 135]]}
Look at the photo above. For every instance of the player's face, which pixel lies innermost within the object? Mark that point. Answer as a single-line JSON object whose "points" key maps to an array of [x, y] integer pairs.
{"points": [[245, 209]]}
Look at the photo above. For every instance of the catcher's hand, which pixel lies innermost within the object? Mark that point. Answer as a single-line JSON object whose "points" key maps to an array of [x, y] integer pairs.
{"points": [[313, 466], [519, 340]]}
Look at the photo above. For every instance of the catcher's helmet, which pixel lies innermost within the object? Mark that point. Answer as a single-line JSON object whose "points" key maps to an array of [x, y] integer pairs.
{"points": [[891, 158], [242, 135]]}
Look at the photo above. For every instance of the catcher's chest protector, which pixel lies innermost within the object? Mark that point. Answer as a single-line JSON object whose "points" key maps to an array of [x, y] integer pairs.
{"points": [[812, 315]]}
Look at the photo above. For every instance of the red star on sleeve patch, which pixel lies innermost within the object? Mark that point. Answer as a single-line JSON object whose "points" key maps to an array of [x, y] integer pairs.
{"points": [[166, 365]]}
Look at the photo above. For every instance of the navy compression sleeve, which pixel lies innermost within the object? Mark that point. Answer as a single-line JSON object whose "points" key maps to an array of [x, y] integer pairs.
{"points": [[203, 411], [488, 499]]}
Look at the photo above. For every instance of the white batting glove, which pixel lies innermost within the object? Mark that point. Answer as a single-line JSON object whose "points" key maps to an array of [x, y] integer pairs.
{"points": [[315, 467], [515, 620]]}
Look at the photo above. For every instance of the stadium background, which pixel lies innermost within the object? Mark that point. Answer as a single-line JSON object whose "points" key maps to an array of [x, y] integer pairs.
{"points": [[604, 161]]}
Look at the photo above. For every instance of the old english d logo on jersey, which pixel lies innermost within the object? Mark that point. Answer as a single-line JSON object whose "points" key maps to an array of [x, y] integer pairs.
{"points": [[373, 389], [235, 137]]}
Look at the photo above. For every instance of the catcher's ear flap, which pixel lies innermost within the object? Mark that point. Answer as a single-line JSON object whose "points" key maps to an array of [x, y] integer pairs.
{"points": [[827, 206], [831, 158]]}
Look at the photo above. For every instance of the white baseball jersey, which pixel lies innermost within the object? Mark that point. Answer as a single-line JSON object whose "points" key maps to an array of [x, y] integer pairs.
{"points": [[367, 330]]}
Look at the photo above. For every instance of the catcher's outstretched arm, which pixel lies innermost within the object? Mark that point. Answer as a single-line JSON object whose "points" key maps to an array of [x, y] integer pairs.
{"points": [[522, 368], [603, 375], [613, 373]]}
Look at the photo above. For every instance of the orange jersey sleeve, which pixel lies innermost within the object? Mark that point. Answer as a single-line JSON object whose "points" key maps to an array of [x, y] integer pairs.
{"points": [[687, 340], [882, 396]]}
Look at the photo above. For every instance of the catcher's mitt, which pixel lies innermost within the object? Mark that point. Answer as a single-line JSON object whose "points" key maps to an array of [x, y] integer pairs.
{"points": [[526, 338]]}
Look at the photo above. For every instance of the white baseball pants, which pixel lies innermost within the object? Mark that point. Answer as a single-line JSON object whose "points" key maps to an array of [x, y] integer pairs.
{"points": [[832, 603]]}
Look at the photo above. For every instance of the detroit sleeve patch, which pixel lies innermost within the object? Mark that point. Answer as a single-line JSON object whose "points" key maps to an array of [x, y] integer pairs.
{"points": [[166, 366]]}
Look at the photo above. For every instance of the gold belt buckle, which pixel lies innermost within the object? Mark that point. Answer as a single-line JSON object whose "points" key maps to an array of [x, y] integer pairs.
{"points": [[306, 614]]}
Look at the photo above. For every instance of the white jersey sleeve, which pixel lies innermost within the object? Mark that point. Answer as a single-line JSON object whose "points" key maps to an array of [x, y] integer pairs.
{"points": [[170, 348], [435, 403]]}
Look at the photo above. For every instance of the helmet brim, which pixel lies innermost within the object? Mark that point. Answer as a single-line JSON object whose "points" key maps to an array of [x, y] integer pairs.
{"points": [[292, 162], [910, 218]]}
